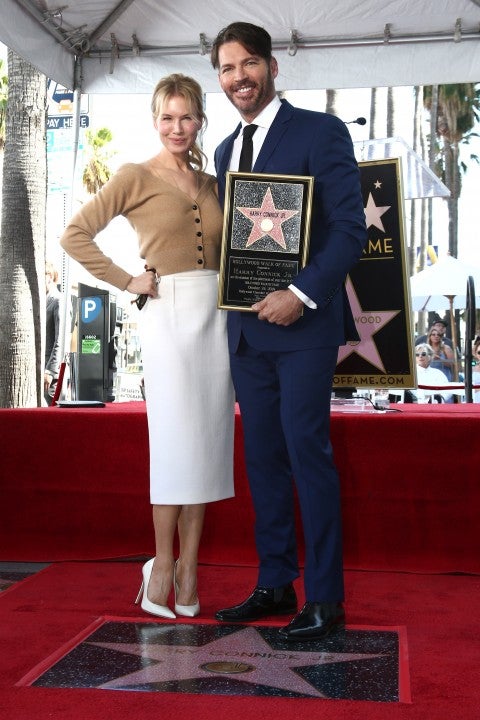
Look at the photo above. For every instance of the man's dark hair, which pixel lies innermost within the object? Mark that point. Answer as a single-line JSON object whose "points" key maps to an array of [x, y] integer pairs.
{"points": [[439, 321], [253, 38]]}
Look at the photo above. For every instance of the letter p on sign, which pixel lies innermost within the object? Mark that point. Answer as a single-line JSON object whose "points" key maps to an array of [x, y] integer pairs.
{"points": [[91, 307]]}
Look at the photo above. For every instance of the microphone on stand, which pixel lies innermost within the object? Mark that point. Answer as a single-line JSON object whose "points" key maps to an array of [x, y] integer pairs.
{"points": [[358, 121]]}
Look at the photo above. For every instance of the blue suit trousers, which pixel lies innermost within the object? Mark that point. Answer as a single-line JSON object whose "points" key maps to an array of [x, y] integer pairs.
{"points": [[284, 399]]}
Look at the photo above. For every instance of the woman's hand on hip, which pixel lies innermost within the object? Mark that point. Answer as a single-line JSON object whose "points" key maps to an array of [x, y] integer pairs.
{"points": [[144, 284]]}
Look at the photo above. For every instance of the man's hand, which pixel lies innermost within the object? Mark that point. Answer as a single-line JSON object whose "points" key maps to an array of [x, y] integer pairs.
{"points": [[281, 307]]}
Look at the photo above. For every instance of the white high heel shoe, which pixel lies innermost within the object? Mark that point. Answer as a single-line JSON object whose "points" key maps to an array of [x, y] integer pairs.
{"points": [[186, 610], [147, 605]]}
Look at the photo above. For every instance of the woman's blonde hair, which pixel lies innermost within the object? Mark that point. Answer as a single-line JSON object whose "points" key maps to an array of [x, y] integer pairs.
{"points": [[186, 87]]}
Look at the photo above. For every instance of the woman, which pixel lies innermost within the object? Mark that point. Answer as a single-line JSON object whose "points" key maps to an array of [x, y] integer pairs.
{"points": [[443, 358], [173, 207]]}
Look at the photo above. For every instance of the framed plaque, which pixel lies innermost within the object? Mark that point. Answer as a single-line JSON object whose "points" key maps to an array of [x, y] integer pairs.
{"points": [[266, 236]]}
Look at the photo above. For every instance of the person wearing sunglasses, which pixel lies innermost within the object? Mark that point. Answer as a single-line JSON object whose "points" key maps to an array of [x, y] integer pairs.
{"points": [[443, 356], [441, 327], [427, 375]]}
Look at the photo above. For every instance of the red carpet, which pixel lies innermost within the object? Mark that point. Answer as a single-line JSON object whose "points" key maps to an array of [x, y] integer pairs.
{"points": [[441, 615]]}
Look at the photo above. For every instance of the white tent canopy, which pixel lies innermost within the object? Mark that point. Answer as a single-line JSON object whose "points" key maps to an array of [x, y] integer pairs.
{"points": [[443, 285], [126, 45]]}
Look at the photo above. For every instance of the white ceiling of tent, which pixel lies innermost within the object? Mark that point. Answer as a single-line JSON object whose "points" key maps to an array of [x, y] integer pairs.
{"points": [[126, 45]]}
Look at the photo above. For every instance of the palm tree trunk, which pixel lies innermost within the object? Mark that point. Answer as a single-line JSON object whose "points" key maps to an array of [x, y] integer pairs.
{"points": [[390, 113], [431, 154], [453, 201], [331, 102], [373, 119], [22, 245]]}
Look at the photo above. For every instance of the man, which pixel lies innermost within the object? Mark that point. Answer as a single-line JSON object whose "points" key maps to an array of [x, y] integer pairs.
{"points": [[283, 357], [52, 327]]}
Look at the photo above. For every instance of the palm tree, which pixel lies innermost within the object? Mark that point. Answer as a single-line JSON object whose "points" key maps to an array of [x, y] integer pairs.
{"points": [[3, 104], [458, 111], [331, 102], [3, 112], [372, 118], [97, 171], [431, 152], [22, 242], [390, 113]]}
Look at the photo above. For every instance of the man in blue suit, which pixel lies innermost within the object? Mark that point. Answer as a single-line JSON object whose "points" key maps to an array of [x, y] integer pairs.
{"points": [[283, 356]]}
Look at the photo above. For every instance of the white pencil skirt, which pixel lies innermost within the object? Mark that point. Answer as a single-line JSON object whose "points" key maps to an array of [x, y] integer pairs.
{"points": [[189, 392]]}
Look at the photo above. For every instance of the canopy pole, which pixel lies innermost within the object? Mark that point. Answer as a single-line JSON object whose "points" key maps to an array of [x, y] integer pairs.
{"points": [[454, 338], [65, 317]]}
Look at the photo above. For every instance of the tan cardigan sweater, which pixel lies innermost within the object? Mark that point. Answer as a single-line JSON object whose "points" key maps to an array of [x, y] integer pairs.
{"points": [[175, 233]]}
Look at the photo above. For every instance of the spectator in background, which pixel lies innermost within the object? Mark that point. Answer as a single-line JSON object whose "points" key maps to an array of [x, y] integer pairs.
{"points": [[476, 368], [441, 327], [427, 375], [52, 332], [443, 356]]}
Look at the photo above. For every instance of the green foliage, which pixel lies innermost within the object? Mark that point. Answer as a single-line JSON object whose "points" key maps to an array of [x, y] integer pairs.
{"points": [[458, 113], [97, 171], [458, 110], [3, 104]]}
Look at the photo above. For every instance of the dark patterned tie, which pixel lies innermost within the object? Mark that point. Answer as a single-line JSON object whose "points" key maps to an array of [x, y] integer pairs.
{"points": [[245, 164]]}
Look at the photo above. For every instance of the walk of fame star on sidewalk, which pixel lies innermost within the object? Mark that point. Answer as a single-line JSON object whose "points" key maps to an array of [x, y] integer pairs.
{"points": [[361, 664]]}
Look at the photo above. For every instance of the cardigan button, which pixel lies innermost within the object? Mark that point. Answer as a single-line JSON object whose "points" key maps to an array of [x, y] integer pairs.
{"points": [[197, 220], [200, 261], [199, 247], [199, 234], [194, 207]]}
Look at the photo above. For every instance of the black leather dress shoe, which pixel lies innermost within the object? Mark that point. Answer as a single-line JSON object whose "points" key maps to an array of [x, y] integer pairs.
{"points": [[315, 621], [262, 603]]}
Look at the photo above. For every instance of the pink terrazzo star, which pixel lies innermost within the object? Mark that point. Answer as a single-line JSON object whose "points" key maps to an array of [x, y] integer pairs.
{"points": [[368, 323], [267, 220]]}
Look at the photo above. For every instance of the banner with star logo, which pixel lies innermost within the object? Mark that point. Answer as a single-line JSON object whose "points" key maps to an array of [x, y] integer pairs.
{"points": [[378, 290], [266, 236]]}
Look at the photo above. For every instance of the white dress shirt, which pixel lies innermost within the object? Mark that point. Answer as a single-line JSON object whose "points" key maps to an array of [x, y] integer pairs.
{"points": [[431, 376]]}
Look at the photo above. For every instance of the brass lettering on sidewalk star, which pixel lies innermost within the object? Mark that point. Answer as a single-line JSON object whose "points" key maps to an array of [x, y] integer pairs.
{"points": [[227, 668]]}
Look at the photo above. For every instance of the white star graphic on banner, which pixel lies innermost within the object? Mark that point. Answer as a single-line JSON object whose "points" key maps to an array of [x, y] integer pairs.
{"points": [[267, 220], [367, 324], [374, 213], [263, 664]]}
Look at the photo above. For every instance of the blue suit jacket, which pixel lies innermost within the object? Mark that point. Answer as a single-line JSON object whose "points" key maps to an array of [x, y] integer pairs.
{"points": [[302, 142]]}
